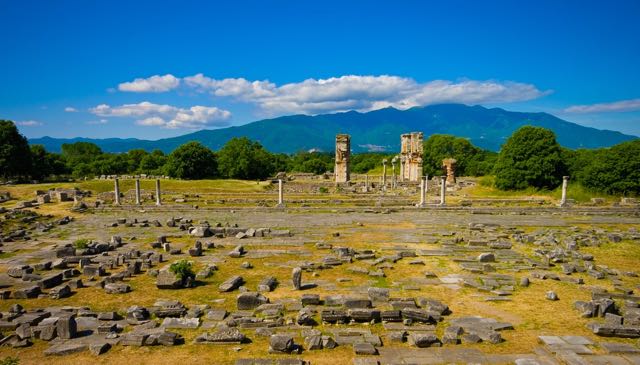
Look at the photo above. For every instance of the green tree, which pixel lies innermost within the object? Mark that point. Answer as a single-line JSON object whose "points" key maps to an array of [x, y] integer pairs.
{"points": [[614, 170], [153, 163], [15, 155], [440, 146], [241, 158], [192, 161], [530, 157], [80, 152]]}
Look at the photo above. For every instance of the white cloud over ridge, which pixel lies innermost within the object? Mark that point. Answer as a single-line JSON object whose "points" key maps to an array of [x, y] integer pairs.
{"points": [[153, 84], [613, 107], [166, 116], [362, 93], [29, 123]]}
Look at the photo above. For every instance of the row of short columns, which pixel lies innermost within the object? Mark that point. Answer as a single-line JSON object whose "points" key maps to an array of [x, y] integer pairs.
{"points": [[116, 189], [424, 187]]}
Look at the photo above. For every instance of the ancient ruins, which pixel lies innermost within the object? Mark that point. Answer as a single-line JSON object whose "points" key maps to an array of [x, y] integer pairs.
{"points": [[343, 154], [297, 270], [411, 156]]}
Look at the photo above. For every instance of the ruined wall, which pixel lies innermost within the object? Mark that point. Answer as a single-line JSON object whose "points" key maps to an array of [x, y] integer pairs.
{"points": [[343, 153], [411, 156]]}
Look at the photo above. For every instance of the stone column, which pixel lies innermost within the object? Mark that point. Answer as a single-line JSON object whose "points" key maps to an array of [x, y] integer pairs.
{"points": [[158, 199], [137, 191], [117, 191], [402, 168], [443, 189], [393, 173], [423, 192], [384, 174], [366, 183], [565, 182], [280, 196]]}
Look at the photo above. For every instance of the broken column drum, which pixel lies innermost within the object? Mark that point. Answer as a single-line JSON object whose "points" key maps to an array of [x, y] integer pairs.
{"points": [[343, 153], [449, 166], [411, 153]]}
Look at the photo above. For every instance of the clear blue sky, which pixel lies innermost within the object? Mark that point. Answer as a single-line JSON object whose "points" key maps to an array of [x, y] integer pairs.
{"points": [[152, 69]]}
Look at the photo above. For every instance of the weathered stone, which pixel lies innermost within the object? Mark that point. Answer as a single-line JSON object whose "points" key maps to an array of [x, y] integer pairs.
{"points": [[487, 257], [27, 292], [296, 277], [422, 339], [267, 284], [66, 327], [378, 294], [231, 284], [364, 348], [250, 300], [225, 335], [117, 288], [281, 343], [551, 295], [171, 322], [59, 292]]}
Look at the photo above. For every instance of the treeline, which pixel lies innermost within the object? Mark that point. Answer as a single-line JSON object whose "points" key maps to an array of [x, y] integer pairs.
{"points": [[240, 158], [531, 157]]}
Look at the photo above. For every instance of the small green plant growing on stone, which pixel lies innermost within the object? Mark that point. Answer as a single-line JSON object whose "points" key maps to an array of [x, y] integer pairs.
{"points": [[323, 190], [10, 361], [81, 243], [183, 269]]}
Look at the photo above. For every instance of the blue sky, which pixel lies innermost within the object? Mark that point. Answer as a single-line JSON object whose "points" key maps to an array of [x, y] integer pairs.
{"points": [[151, 69]]}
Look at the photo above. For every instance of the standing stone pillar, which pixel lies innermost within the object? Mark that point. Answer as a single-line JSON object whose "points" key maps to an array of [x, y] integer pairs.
{"points": [[384, 174], [423, 192], [117, 191], [366, 183], [443, 189], [565, 182], [158, 199], [280, 196], [137, 191], [402, 161], [342, 171]]}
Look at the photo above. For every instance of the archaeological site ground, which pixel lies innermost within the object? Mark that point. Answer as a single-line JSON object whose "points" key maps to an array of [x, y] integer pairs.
{"points": [[241, 272]]}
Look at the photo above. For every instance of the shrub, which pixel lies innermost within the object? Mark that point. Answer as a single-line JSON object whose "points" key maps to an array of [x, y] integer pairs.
{"points": [[81, 243], [10, 361], [183, 269], [323, 190]]}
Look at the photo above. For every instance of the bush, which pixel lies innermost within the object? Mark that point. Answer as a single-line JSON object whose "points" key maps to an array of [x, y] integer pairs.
{"points": [[615, 170], [323, 190], [81, 243], [10, 361], [183, 269]]}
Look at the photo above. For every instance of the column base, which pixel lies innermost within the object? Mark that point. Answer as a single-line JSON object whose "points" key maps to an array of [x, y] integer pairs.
{"points": [[282, 205]]}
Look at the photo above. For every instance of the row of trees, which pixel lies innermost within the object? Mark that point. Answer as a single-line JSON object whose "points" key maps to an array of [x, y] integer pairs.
{"points": [[531, 157]]}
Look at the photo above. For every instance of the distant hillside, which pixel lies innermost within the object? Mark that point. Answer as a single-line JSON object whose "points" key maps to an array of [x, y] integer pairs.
{"points": [[376, 130]]}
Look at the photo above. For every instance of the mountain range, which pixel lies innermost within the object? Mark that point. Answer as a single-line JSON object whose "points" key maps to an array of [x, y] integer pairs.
{"points": [[377, 130]]}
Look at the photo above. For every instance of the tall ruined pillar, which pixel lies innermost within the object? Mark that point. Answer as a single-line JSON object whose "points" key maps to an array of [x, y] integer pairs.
{"points": [[137, 191], [158, 198], [411, 154], [116, 188], [384, 174], [280, 195], [343, 153], [565, 183]]}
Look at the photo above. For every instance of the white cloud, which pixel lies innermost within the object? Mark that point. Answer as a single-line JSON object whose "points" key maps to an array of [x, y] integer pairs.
{"points": [[166, 116], [154, 84], [616, 106], [151, 121], [29, 123], [70, 109], [97, 122], [363, 93]]}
